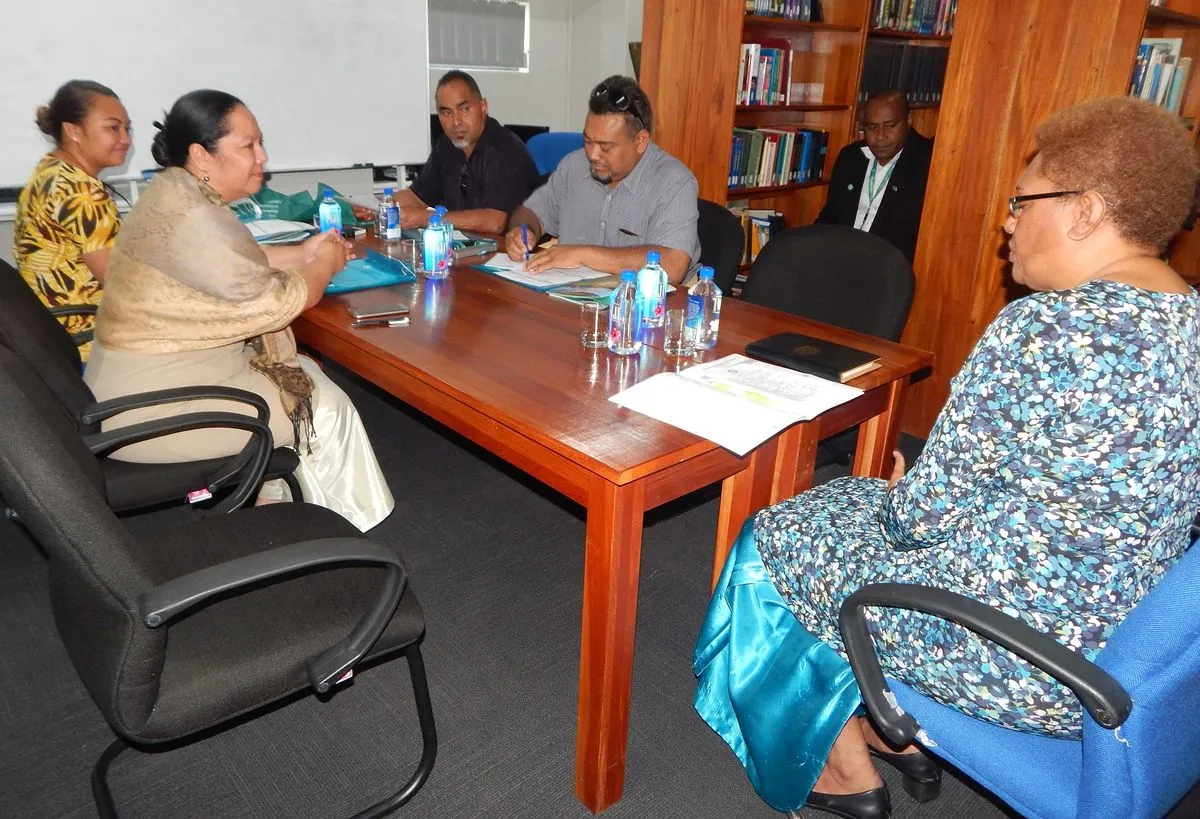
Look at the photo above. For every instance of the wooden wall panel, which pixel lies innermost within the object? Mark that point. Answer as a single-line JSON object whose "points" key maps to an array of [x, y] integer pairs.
{"points": [[689, 69], [1011, 65]]}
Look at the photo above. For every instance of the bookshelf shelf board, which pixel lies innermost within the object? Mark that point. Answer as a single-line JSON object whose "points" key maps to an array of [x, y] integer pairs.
{"points": [[795, 106], [1158, 14], [739, 193], [764, 21], [907, 35]]}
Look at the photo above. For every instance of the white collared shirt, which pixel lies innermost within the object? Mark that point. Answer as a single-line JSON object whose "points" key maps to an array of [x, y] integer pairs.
{"points": [[868, 206]]}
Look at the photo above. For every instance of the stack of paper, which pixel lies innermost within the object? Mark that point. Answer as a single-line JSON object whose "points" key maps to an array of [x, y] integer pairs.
{"points": [[735, 401], [278, 231], [506, 268]]}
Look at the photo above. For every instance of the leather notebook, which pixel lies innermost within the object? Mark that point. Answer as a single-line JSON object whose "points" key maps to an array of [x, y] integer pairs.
{"points": [[815, 356]]}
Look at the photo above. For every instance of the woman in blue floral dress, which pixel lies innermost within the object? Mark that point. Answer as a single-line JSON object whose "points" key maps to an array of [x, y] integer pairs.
{"points": [[1057, 486]]}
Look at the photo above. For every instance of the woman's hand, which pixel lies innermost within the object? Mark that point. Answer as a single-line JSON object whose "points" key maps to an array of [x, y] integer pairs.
{"points": [[334, 251], [897, 468], [310, 245]]}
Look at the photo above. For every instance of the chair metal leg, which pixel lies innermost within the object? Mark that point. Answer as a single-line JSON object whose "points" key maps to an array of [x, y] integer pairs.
{"points": [[420, 684], [100, 792], [416, 670], [293, 486]]}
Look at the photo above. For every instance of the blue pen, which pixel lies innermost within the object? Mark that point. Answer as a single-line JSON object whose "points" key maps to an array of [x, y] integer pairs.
{"points": [[525, 240]]}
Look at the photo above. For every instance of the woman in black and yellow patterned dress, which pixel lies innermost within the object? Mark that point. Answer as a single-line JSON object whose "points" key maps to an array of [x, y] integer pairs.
{"points": [[66, 221]]}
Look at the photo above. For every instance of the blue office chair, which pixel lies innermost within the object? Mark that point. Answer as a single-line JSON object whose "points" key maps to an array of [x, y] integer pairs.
{"points": [[1140, 751], [548, 149]]}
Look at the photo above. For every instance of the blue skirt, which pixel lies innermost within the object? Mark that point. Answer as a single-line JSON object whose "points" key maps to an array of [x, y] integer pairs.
{"points": [[776, 694]]}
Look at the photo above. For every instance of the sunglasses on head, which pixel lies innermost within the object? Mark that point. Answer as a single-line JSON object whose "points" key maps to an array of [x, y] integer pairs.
{"points": [[618, 100]]}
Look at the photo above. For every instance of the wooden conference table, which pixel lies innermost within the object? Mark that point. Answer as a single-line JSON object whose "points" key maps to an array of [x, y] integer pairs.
{"points": [[502, 365]]}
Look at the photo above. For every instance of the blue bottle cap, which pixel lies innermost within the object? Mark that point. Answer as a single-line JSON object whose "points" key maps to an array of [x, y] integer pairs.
{"points": [[435, 219], [629, 275], [653, 257], [440, 210], [327, 196], [387, 191], [706, 272]]}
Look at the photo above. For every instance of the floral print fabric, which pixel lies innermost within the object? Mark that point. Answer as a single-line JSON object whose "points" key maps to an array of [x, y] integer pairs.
{"points": [[1057, 486], [63, 213]]}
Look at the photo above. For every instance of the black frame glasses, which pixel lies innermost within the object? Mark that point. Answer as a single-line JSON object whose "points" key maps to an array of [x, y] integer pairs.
{"points": [[621, 101], [1017, 203], [463, 180]]}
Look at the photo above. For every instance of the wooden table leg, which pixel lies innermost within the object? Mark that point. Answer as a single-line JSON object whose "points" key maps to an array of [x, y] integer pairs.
{"points": [[877, 436], [610, 589], [795, 462]]}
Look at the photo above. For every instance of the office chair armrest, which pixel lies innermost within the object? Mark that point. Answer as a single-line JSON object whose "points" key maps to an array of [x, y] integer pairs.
{"points": [[83, 336], [103, 410], [73, 310], [1102, 696], [163, 603], [249, 465]]}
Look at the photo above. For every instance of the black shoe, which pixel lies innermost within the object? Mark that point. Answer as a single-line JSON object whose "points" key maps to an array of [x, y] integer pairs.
{"points": [[922, 775], [873, 804]]}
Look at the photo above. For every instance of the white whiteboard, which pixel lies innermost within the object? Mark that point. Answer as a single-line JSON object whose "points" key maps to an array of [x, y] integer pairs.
{"points": [[332, 82]]}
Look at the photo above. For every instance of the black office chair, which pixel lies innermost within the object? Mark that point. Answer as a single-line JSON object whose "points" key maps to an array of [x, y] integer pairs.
{"points": [[28, 330], [834, 274], [722, 242], [837, 275], [182, 630]]}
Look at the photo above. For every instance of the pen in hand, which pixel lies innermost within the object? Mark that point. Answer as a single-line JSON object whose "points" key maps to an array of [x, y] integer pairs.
{"points": [[525, 240]]}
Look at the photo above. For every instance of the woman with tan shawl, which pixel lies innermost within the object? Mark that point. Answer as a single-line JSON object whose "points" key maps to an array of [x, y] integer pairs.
{"points": [[191, 299]]}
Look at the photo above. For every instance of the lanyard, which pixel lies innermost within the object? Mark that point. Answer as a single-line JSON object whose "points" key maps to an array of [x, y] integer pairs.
{"points": [[872, 190], [871, 180]]}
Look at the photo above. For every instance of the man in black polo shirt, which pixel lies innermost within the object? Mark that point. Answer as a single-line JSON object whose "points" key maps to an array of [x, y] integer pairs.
{"points": [[479, 170]]}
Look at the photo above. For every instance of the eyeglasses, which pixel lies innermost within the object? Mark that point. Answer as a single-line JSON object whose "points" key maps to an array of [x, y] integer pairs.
{"points": [[618, 100], [1016, 204], [463, 179]]}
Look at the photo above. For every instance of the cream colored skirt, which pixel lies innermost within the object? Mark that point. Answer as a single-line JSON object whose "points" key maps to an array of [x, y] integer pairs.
{"points": [[340, 472]]}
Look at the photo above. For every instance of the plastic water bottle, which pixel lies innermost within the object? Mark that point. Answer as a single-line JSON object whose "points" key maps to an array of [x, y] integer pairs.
{"points": [[624, 317], [704, 310], [387, 219], [329, 214], [437, 262], [652, 290], [448, 229]]}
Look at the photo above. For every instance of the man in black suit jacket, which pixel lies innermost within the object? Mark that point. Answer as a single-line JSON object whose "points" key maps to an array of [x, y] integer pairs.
{"points": [[878, 183]]}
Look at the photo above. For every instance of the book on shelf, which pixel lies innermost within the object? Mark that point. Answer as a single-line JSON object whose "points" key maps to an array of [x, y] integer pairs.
{"points": [[915, 16], [1160, 72], [745, 401], [764, 72], [809, 10], [917, 69], [824, 359], [768, 157], [758, 226]]}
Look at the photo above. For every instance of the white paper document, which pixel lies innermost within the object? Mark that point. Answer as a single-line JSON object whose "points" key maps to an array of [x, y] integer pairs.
{"points": [[735, 401], [503, 266], [274, 231]]}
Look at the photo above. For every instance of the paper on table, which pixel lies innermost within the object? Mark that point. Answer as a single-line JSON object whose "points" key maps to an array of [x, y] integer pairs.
{"points": [[735, 401], [503, 266], [267, 231]]}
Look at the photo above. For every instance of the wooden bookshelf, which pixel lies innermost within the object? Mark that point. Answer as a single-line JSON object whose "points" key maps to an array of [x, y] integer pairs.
{"points": [[1181, 18]]}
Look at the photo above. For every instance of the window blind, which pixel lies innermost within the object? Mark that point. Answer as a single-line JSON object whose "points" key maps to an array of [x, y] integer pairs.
{"points": [[479, 34]]}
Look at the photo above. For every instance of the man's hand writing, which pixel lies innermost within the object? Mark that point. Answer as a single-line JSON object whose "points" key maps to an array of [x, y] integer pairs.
{"points": [[561, 256]]}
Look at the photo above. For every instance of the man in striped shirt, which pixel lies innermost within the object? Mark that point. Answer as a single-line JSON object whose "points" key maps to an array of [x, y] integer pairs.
{"points": [[615, 199]]}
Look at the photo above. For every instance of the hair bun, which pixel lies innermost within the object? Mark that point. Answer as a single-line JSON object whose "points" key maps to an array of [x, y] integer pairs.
{"points": [[159, 148], [45, 122]]}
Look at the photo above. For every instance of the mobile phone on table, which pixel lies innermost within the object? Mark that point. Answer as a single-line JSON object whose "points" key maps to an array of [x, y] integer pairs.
{"points": [[379, 311]]}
